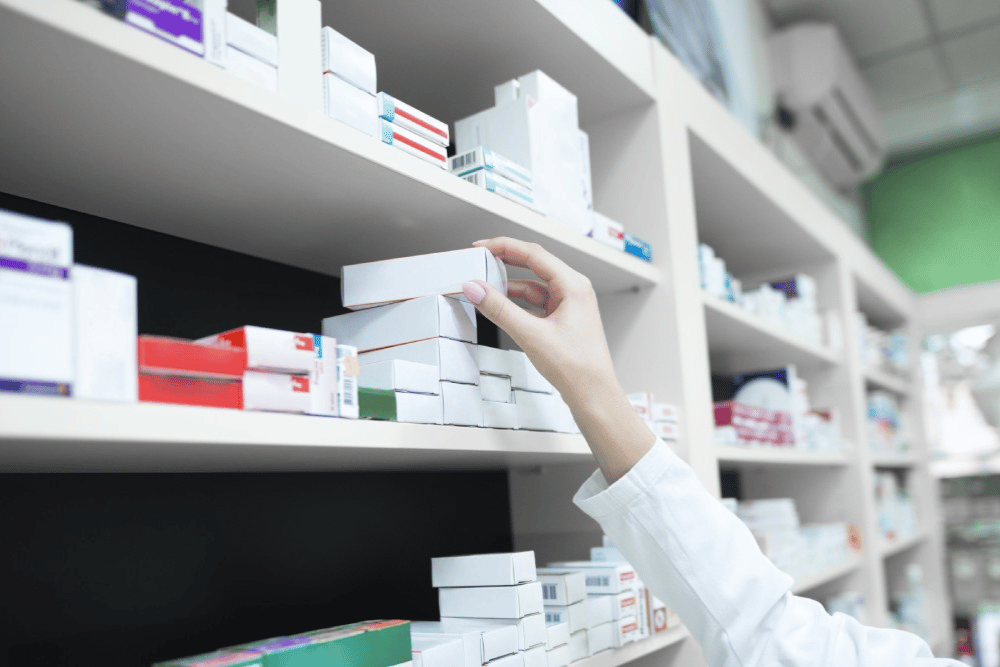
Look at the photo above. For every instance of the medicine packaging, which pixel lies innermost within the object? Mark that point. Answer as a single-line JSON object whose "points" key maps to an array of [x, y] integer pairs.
{"points": [[627, 630], [269, 349], [438, 651], [577, 615], [557, 634], [609, 232], [158, 355], [499, 415], [543, 412], [105, 333], [462, 404], [600, 611], [419, 408], [296, 24], [251, 70], [496, 388], [636, 246], [664, 412], [511, 602], [524, 376], [530, 629], [501, 186], [483, 158], [401, 376], [601, 577], [441, 273], [481, 645], [349, 105], [405, 322], [416, 121], [348, 368], [455, 361], [558, 656], [614, 606], [190, 391], [535, 657], [602, 637], [277, 392], [513, 660], [173, 21], [668, 431], [493, 361], [563, 588], [252, 40], [643, 404], [413, 143], [578, 648], [499, 569], [221, 658], [347, 60], [607, 554]]}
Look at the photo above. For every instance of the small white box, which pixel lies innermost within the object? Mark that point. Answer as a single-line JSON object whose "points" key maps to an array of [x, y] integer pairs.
{"points": [[470, 640], [437, 651], [499, 415], [664, 412], [530, 629], [501, 569], [493, 361], [251, 70], [668, 431], [412, 143], [485, 159], [347, 60], [463, 404], [323, 380], [643, 404], [418, 408], [299, 80], [405, 322], [349, 105], [401, 376], [348, 369], [496, 388], [525, 376], [105, 334], [484, 643], [577, 615], [600, 611], [276, 392], [455, 360], [251, 40], [414, 120], [387, 281], [563, 588], [559, 656], [556, 634], [509, 602], [602, 637], [578, 648], [661, 617], [601, 577], [609, 232], [618, 605], [627, 630], [501, 186], [543, 412], [535, 657]]}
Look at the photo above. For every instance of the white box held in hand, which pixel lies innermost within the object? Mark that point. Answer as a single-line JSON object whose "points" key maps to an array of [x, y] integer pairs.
{"points": [[558, 656], [563, 588], [105, 335], [501, 569], [556, 634], [401, 376], [349, 105], [437, 651], [251, 40], [390, 280], [535, 657], [413, 143], [492, 601], [455, 361], [414, 120], [530, 630], [484, 642], [601, 577], [405, 322], [347, 60]]}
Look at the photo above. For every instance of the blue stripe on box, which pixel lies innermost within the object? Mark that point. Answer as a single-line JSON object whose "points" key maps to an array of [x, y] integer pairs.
{"points": [[638, 247], [35, 387], [40, 268]]}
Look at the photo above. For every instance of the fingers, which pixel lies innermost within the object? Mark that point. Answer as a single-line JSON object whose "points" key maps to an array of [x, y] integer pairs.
{"points": [[528, 256], [500, 310], [531, 292]]}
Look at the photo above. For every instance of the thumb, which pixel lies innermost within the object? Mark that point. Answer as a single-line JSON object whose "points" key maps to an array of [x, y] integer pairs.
{"points": [[499, 309]]}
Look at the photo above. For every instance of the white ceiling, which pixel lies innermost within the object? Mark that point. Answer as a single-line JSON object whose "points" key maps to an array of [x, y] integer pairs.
{"points": [[916, 54]]}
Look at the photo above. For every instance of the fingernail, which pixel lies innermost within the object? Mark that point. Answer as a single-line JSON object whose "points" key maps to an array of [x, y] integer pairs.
{"points": [[474, 292], [480, 241]]}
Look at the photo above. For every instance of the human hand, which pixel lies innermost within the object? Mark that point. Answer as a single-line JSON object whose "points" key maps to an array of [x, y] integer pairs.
{"points": [[566, 341]]}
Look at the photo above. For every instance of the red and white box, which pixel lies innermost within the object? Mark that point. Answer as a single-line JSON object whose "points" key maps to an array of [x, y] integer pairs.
{"points": [[628, 630], [269, 349], [414, 144], [159, 355], [609, 232], [276, 392], [619, 605], [754, 425], [213, 393], [414, 120]]}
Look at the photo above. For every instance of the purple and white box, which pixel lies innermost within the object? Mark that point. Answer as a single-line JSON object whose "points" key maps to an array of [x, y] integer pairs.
{"points": [[196, 27], [36, 306]]}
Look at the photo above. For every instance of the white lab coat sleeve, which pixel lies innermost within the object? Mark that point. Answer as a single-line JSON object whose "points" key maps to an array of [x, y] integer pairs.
{"points": [[701, 560]]}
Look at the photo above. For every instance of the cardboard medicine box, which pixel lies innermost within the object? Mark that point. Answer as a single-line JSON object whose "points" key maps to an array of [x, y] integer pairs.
{"points": [[348, 61], [248, 38], [535, 657], [412, 143], [499, 185], [462, 404], [500, 415], [496, 388], [437, 651], [525, 376], [493, 361], [619, 605], [441, 273], [578, 648], [558, 656], [509, 602], [405, 322], [602, 637], [530, 629], [601, 577], [348, 368], [556, 634], [365, 644], [500, 569], [416, 121], [158, 355], [515, 660], [481, 645], [401, 376], [276, 392], [627, 630], [105, 335], [251, 70], [455, 360], [349, 105], [563, 588], [218, 659], [269, 349], [577, 616], [483, 158]]}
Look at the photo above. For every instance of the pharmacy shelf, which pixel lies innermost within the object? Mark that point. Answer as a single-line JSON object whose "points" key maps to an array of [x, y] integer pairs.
{"points": [[882, 297], [898, 546], [807, 583], [635, 650], [53, 434], [164, 140], [777, 456], [894, 460], [739, 341], [879, 379]]}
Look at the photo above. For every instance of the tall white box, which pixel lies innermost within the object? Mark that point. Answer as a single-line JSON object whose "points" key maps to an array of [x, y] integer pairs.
{"points": [[530, 629], [386, 281], [563, 588], [105, 335], [463, 404], [405, 322], [437, 651], [36, 306], [455, 360], [347, 60], [349, 105], [299, 79], [500, 569], [483, 643], [510, 602], [401, 376], [556, 634]]}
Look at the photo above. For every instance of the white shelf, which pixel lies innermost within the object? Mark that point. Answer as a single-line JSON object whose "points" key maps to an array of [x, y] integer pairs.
{"points": [[891, 548], [879, 379], [53, 434], [894, 460], [816, 580], [778, 456], [130, 128], [881, 295], [739, 341], [635, 650]]}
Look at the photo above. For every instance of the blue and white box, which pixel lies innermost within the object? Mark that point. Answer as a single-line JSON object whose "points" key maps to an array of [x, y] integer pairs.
{"points": [[503, 187], [485, 159]]}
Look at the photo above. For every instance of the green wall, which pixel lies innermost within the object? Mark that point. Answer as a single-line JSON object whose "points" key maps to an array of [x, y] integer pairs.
{"points": [[935, 218]]}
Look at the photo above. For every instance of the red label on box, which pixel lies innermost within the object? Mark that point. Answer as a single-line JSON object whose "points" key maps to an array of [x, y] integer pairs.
{"points": [[300, 383], [190, 391], [171, 356], [303, 342]]}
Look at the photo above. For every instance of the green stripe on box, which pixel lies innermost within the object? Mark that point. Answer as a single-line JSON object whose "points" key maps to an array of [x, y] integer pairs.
{"points": [[377, 404]]}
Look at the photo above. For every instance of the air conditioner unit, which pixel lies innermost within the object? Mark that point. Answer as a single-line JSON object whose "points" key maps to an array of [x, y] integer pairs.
{"points": [[835, 119]]}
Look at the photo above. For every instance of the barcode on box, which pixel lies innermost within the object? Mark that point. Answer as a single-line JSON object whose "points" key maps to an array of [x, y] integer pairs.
{"points": [[549, 591], [472, 178], [460, 161], [348, 391], [598, 582]]}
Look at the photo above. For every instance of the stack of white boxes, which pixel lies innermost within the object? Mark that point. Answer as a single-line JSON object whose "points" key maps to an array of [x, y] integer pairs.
{"points": [[349, 82], [413, 131], [486, 591], [661, 418], [482, 166], [653, 614], [251, 53], [516, 395], [535, 124]]}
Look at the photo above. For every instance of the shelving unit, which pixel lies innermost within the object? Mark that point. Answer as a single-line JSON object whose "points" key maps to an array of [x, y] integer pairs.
{"points": [[667, 160], [878, 379], [898, 546]]}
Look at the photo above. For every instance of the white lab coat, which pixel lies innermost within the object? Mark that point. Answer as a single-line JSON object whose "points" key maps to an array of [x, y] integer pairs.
{"points": [[698, 557]]}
